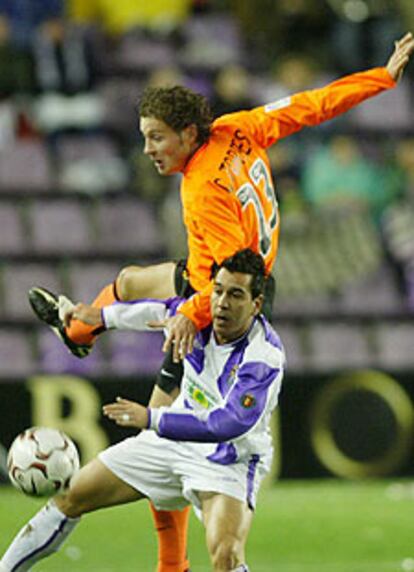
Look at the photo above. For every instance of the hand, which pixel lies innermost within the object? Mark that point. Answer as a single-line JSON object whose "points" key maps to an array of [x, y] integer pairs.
{"points": [[87, 314], [180, 334], [401, 56], [127, 413]]}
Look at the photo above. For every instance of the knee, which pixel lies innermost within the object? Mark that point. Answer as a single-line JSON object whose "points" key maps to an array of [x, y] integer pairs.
{"points": [[226, 553], [126, 283], [72, 504]]}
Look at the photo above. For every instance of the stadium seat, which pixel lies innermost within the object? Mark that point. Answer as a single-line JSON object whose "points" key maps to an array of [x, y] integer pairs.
{"points": [[90, 163], [139, 53], [12, 232], [54, 357], [16, 354], [18, 277], [370, 114], [395, 344], [375, 295], [128, 227], [25, 166], [87, 279], [292, 342], [210, 42], [338, 346], [134, 353], [60, 227], [120, 96]]}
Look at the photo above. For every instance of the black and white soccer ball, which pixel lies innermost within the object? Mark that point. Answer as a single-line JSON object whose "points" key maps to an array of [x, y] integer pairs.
{"points": [[42, 461]]}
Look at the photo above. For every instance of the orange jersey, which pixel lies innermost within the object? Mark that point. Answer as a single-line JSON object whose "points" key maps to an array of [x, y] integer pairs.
{"points": [[227, 192]]}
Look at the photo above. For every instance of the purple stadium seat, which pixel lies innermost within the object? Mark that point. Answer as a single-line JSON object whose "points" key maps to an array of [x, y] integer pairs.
{"points": [[90, 163], [60, 227], [120, 97], [16, 354], [71, 148], [291, 340], [338, 346], [18, 278], [395, 343], [375, 295], [370, 114], [87, 279], [25, 166], [134, 353], [12, 233], [138, 53], [211, 42], [128, 226], [54, 357]]}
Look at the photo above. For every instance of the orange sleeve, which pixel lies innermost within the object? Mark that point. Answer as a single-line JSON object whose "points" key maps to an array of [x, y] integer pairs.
{"points": [[290, 114], [197, 308]]}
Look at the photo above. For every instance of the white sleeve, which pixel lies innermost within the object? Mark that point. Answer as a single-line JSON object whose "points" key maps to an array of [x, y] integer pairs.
{"points": [[134, 315]]}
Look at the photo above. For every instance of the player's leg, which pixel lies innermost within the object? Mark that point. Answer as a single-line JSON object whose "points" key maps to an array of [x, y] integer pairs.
{"points": [[171, 526], [133, 282], [94, 487], [227, 522]]}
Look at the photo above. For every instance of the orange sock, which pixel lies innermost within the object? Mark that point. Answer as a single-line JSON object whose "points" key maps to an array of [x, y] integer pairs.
{"points": [[81, 333], [172, 529]]}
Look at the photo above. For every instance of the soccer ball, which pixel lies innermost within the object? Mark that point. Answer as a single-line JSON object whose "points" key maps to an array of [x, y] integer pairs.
{"points": [[41, 461]]}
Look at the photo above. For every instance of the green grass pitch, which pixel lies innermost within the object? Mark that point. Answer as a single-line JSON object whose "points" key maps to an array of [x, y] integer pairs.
{"points": [[300, 526]]}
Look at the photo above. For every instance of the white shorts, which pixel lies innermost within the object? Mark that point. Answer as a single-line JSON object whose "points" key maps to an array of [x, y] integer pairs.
{"points": [[170, 473]]}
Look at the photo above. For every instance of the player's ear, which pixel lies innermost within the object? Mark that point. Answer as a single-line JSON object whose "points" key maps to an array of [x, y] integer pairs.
{"points": [[258, 303], [191, 133]]}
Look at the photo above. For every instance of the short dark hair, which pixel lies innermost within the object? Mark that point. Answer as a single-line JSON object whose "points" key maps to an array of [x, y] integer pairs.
{"points": [[247, 262], [178, 107]]}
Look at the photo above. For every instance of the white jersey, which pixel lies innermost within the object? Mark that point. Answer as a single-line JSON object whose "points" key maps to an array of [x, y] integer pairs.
{"points": [[228, 391]]}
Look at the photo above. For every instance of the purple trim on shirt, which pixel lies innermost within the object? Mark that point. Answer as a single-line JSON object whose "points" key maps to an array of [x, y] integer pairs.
{"points": [[205, 335], [173, 303], [149, 418], [196, 357], [235, 358], [251, 473], [271, 335], [244, 406], [103, 319], [225, 454], [42, 547]]}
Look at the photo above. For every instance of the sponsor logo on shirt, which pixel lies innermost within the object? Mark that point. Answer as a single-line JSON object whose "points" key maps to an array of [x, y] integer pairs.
{"points": [[200, 394], [279, 104]]}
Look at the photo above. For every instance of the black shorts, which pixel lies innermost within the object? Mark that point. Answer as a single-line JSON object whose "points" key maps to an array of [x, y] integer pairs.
{"points": [[170, 375]]}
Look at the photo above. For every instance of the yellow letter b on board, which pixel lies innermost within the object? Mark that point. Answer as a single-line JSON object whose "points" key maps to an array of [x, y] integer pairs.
{"points": [[82, 423]]}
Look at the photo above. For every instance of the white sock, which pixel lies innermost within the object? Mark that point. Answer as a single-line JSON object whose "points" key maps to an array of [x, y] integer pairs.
{"points": [[241, 568], [43, 535]]}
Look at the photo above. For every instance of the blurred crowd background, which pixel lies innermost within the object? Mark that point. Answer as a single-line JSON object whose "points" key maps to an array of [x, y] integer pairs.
{"points": [[78, 199]]}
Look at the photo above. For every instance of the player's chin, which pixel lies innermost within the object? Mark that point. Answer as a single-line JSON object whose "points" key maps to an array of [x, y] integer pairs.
{"points": [[221, 326]]}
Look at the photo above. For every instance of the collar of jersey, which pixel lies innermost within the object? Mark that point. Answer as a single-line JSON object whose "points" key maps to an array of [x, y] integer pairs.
{"points": [[193, 157]]}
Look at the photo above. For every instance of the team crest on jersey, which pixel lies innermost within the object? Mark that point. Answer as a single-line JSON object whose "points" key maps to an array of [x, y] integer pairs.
{"points": [[247, 401]]}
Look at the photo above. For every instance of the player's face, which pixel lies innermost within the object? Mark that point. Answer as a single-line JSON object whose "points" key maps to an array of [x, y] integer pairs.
{"points": [[169, 150], [232, 305]]}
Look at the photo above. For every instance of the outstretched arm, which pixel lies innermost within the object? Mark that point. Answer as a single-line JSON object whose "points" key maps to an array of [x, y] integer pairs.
{"points": [[400, 57]]}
